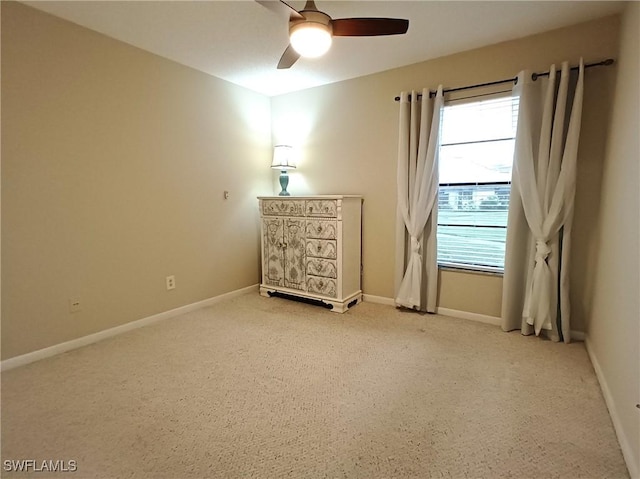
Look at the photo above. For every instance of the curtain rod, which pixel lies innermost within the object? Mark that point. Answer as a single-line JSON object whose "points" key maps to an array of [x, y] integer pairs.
{"points": [[534, 77]]}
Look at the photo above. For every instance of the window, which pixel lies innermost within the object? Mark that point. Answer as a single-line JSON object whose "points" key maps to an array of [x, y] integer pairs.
{"points": [[476, 157]]}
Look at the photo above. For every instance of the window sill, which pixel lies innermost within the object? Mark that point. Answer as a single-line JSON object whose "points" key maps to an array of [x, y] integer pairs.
{"points": [[471, 270]]}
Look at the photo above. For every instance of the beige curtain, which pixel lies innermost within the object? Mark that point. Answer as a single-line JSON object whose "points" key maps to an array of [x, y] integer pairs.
{"points": [[416, 252], [537, 260]]}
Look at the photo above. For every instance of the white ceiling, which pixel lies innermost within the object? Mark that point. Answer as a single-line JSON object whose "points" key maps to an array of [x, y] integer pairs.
{"points": [[241, 41]]}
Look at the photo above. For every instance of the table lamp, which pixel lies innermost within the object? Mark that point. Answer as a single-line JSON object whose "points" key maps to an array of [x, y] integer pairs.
{"points": [[283, 160]]}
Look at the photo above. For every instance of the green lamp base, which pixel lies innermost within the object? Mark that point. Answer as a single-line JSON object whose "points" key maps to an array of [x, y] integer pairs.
{"points": [[284, 182]]}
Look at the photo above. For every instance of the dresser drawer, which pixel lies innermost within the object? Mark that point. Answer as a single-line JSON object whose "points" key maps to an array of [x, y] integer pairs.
{"points": [[322, 286], [321, 248], [322, 208], [322, 267], [321, 229], [283, 207]]}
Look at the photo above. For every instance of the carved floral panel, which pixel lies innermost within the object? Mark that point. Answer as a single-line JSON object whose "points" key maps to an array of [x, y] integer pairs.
{"points": [[283, 207], [321, 248], [323, 286], [322, 267], [294, 276], [325, 208], [321, 229], [273, 258]]}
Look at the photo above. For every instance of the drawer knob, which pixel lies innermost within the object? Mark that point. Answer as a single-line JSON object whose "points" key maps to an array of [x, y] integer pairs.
{"points": [[319, 229], [319, 247]]}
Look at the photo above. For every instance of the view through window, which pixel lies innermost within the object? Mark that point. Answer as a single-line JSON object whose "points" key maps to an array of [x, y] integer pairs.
{"points": [[476, 157]]}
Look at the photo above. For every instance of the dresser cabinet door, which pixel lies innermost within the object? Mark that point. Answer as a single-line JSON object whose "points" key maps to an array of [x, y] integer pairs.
{"points": [[294, 276], [273, 257]]}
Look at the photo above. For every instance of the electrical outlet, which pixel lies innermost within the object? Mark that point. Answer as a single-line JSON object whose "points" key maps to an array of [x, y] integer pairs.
{"points": [[171, 282], [74, 305]]}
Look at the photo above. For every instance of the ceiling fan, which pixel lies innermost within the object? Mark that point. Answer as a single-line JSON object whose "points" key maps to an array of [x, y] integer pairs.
{"points": [[310, 30]]}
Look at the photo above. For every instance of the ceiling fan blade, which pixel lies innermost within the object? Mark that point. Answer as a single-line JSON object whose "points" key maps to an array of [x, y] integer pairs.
{"points": [[368, 27], [289, 57], [278, 6]]}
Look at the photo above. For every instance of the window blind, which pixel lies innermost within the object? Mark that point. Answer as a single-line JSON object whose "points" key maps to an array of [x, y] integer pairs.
{"points": [[476, 157]]}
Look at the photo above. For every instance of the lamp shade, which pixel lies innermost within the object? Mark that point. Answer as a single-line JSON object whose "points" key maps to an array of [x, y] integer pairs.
{"points": [[282, 157]]}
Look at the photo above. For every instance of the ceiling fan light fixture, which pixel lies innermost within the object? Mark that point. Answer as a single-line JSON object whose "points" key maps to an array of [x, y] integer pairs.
{"points": [[310, 39], [311, 31]]}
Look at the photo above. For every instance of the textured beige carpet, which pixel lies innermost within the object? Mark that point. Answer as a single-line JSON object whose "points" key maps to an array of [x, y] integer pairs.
{"points": [[267, 388]]}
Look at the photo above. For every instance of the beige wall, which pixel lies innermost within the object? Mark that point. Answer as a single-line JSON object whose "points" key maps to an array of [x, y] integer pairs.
{"points": [[614, 319], [114, 163], [347, 136]]}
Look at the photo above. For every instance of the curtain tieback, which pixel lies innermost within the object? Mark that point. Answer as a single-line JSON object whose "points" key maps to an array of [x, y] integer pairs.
{"points": [[415, 245], [542, 251]]}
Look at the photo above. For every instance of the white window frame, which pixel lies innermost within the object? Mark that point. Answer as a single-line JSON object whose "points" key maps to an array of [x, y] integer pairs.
{"points": [[491, 267]]}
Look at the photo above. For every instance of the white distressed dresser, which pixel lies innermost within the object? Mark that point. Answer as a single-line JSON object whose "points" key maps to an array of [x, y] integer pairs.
{"points": [[311, 249]]}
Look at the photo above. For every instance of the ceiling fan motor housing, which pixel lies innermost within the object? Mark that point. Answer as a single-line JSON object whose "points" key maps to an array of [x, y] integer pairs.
{"points": [[311, 17]]}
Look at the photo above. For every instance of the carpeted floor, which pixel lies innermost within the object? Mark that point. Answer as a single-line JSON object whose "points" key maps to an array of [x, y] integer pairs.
{"points": [[268, 388]]}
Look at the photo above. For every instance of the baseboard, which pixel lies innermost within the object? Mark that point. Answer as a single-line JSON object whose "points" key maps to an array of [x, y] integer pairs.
{"points": [[442, 311], [578, 335], [627, 452], [496, 321], [370, 298], [108, 333], [481, 318]]}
